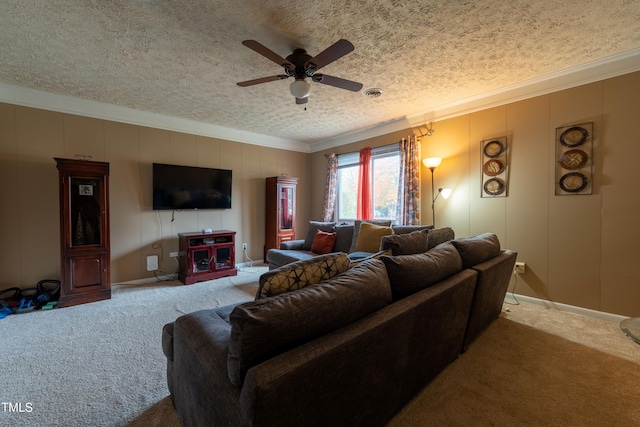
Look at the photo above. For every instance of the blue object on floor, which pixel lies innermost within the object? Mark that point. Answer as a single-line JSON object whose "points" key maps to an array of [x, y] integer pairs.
{"points": [[4, 312]]}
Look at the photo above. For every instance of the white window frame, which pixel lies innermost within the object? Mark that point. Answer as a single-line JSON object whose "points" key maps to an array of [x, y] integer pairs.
{"points": [[353, 159]]}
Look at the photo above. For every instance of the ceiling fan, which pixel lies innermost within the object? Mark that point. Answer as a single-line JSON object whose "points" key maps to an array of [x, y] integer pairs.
{"points": [[301, 65]]}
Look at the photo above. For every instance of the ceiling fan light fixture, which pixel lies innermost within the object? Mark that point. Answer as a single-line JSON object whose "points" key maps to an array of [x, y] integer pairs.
{"points": [[300, 88]]}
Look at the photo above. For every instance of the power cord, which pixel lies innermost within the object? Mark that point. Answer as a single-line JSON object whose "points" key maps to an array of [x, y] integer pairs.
{"points": [[247, 257], [513, 295]]}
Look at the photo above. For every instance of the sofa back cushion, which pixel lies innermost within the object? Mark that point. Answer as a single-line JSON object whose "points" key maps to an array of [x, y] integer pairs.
{"points": [[406, 244], [440, 235], [409, 274], [477, 249], [300, 274], [344, 237], [265, 328]]}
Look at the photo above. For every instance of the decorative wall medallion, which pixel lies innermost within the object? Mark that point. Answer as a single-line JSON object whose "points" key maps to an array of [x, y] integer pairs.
{"points": [[574, 166], [573, 182], [493, 148], [494, 186], [574, 136], [573, 159], [494, 167]]}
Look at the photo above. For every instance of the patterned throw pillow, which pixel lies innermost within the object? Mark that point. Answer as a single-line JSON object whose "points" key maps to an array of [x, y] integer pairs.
{"points": [[300, 274]]}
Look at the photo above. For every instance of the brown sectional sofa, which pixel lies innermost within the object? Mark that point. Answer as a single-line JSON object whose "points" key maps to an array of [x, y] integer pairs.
{"points": [[351, 350]]}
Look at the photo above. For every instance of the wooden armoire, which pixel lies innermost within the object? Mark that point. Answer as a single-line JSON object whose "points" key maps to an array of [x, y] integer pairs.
{"points": [[84, 231]]}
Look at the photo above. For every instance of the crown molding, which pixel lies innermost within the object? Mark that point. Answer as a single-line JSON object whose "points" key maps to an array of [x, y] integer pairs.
{"points": [[27, 97], [590, 72], [613, 66]]}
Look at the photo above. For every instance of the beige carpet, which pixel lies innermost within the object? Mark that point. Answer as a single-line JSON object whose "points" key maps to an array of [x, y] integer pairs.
{"points": [[101, 364]]}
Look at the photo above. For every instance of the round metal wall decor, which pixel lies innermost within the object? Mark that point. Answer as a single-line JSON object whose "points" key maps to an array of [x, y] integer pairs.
{"points": [[574, 136], [573, 159], [493, 167], [573, 182], [494, 186], [493, 149]]}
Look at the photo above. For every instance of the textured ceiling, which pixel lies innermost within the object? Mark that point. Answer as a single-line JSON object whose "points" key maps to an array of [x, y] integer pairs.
{"points": [[183, 58]]}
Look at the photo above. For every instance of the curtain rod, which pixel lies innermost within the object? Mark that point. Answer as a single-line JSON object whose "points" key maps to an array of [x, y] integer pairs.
{"points": [[380, 149]]}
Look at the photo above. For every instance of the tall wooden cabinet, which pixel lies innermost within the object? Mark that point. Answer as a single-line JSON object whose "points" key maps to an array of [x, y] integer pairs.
{"points": [[84, 231], [280, 211]]}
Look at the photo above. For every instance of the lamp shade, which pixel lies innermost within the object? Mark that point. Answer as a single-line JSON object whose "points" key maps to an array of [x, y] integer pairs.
{"points": [[446, 192], [300, 88], [432, 162]]}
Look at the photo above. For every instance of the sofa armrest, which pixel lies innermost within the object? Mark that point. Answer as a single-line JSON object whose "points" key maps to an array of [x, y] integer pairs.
{"points": [[292, 244]]}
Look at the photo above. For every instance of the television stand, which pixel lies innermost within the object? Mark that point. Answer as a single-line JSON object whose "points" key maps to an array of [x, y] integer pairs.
{"points": [[206, 256]]}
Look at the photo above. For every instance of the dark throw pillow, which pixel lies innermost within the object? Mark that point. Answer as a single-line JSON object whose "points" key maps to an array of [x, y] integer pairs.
{"points": [[409, 274], [474, 250], [416, 242]]}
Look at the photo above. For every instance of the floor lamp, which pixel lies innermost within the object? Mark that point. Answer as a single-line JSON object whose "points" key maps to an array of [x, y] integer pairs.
{"points": [[432, 163]]}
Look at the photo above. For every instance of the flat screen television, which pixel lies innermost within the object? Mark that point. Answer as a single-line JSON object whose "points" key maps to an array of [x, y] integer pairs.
{"points": [[190, 187]]}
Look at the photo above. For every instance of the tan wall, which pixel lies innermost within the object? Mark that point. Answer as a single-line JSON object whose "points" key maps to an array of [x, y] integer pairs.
{"points": [[29, 217], [579, 250]]}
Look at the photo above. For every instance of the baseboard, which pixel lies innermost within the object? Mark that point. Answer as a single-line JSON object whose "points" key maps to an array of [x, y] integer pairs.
{"points": [[609, 317], [168, 277]]}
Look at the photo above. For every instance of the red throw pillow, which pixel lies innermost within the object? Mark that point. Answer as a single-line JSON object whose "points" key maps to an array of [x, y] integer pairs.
{"points": [[323, 242]]}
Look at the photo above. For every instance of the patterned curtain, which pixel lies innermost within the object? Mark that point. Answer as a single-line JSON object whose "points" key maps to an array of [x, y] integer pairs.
{"points": [[330, 190], [363, 210], [408, 211]]}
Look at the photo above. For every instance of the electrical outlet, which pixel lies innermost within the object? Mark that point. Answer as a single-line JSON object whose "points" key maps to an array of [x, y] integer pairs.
{"points": [[152, 263], [244, 246], [520, 268]]}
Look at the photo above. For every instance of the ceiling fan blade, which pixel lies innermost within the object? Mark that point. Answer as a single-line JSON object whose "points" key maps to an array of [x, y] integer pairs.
{"points": [[330, 54], [337, 82], [262, 80], [300, 101], [268, 53]]}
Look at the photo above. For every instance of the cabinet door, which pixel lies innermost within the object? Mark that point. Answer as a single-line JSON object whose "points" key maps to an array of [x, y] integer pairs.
{"points": [[86, 210], [201, 259], [85, 272], [286, 208]]}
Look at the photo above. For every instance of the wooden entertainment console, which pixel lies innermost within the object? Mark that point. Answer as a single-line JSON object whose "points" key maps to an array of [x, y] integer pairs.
{"points": [[206, 256]]}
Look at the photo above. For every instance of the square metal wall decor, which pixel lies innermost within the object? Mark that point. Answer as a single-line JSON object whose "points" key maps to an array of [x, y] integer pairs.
{"points": [[574, 153], [495, 167]]}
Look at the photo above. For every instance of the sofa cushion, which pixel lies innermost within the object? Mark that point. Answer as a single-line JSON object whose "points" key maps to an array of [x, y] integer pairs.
{"points": [[364, 256], [410, 273], [370, 237], [406, 229], [280, 257], [406, 244], [311, 233], [477, 249], [323, 243], [356, 231], [344, 237], [440, 235], [300, 274], [265, 328]]}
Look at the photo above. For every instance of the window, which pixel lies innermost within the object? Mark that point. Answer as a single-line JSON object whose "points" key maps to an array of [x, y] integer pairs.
{"points": [[385, 170]]}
